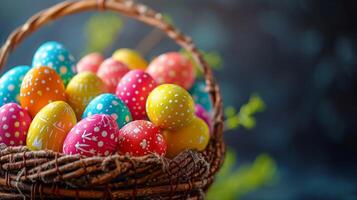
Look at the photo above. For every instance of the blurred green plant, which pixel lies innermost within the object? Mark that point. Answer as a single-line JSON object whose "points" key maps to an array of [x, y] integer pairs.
{"points": [[101, 31], [234, 183], [245, 116], [213, 58]]}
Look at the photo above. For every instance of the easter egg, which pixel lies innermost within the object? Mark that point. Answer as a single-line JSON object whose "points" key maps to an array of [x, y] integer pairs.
{"points": [[50, 127], [204, 115], [131, 58], [200, 95], [111, 71], [139, 138], [10, 84], [194, 136], [90, 62], [172, 68], [40, 87], [170, 107], [84, 87], [96, 135], [56, 56], [14, 124], [109, 104], [133, 89]]}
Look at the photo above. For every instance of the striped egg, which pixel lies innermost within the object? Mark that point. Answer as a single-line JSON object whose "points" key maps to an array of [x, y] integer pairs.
{"points": [[96, 135], [10, 84], [50, 127], [111, 71], [14, 124], [40, 87], [84, 87], [109, 104], [56, 56]]}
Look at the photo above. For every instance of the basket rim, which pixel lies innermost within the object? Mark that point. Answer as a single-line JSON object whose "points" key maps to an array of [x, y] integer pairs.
{"points": [[213, 154]]}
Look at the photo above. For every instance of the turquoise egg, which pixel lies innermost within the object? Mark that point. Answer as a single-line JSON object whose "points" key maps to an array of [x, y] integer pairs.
{"points": [[199, 94], [10, 84], [55, 55], [109, 104]]}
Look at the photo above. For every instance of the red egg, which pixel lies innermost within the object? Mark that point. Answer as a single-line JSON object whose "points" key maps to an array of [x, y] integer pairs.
{"points": [[14, 124], [172, 68], [133, 89], [90, 62], [111, 71], [139, 138], [96, 135]]}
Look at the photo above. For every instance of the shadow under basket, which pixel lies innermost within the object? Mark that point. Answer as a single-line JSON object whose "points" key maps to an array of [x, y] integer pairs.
{"points": [[49, 175]]}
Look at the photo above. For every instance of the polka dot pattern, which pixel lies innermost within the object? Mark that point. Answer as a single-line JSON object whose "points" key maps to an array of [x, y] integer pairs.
{"points": [[193, 136], [205, 116], [172, 68], [14, 124], [90, 63], [57, 57], [139, 138], [96, 135], [201, 96], [170, 106], [111, 71], [131, 58], [84, 87], [40, 87], [10, 84], [133, 89], [50, 127], [111, 105]]}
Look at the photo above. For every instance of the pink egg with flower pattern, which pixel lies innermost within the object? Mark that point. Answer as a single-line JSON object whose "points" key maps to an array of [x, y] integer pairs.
{"points": [[133, 89], [111, 71], [139, 138], [96, 135], [90, 62], [204, 115], [172, 68], [14, 124]]}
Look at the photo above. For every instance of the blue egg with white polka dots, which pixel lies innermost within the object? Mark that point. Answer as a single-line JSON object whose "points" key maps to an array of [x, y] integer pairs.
{"points": [[109, 104], [10, 84], [200, 95], [55, 55]]}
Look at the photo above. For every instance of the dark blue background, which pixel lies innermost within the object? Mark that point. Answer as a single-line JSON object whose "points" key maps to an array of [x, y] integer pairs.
{"points": [[300, 56]]}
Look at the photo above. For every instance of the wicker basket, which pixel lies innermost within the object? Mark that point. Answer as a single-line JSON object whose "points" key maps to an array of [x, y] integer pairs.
{"points": [[46, 174]]}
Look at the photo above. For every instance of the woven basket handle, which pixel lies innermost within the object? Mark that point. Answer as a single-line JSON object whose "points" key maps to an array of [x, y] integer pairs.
{"points": [[129, 8]]}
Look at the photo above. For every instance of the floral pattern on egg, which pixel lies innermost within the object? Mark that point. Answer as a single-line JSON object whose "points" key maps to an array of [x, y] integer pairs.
{"points": [[111, 105], [57, 57], [10, 84]]}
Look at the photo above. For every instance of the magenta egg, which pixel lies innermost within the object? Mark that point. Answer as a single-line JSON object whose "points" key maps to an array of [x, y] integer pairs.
{"points": [[205, 116], [133, 89], [90, 62], [111, 71], [14, 124], [96, 135]]}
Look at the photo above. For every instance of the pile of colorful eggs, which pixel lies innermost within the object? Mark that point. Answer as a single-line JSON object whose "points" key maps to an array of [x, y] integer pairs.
{"points": [[99, 107]]}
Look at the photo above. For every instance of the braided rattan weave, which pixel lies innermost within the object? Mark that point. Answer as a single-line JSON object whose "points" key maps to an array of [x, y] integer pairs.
{"points": [[46, 174]]}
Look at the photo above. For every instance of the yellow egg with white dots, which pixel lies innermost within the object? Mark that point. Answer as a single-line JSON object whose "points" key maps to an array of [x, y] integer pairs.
{"points": [[169, 106], [84, 87], [194, 136], [131, 58]]}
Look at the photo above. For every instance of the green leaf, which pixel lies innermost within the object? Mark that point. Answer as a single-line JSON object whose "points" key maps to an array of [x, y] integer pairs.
{"points": [[230, 111], [167, 18], [234, 184], [101, 30]]}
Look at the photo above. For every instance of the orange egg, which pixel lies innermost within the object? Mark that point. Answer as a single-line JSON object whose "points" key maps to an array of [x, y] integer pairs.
{"points": [[40, 87]]}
